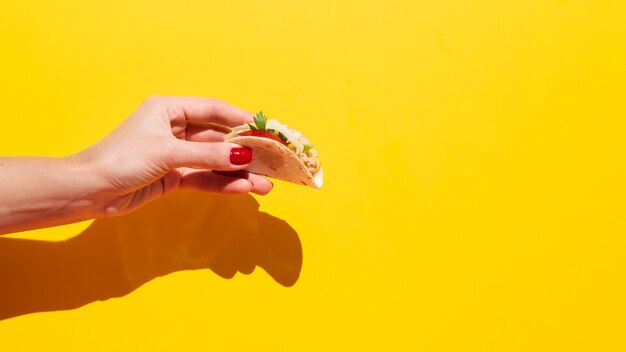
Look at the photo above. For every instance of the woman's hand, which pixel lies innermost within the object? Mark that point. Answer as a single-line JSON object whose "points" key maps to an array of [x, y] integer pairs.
{"points": [[167, 143]]}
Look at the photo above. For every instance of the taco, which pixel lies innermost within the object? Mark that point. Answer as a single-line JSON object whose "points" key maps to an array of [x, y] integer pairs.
{"points": [[279, 151]]}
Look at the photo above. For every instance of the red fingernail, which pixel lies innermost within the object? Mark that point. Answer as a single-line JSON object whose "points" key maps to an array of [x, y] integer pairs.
{"points": [[240, 156]]}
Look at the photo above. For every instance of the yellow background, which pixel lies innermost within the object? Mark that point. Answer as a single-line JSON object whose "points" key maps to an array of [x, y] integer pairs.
{"points": [[473, 151]]}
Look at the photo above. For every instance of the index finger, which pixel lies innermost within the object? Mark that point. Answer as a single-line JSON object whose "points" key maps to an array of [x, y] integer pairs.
{"points": [[207, 110]]}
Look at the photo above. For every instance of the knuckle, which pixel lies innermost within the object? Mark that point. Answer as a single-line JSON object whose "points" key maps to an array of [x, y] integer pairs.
{"points": [[174, 111], [154, 98]]}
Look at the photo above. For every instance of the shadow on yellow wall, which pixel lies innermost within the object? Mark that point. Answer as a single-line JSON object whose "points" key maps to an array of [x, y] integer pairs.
{"points": [[112, 257]]}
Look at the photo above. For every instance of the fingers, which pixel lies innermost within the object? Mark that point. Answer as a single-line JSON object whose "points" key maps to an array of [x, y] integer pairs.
{"points": [[239, 182], [199, 133], [205, 110], [213, 156], [262, 185]]}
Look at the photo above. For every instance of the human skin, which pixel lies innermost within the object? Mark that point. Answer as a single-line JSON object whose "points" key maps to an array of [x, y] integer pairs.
{"points": [[166, 144]]}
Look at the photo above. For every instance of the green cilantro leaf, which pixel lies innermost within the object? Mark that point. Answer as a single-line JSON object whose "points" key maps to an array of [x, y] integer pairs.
{"points": [[307, 147], [260, 120]]}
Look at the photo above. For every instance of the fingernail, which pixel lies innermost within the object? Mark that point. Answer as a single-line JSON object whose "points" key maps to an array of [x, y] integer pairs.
{"points": [[240, 156]]}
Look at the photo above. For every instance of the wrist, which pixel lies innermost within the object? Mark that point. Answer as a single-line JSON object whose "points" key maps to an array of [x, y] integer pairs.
{"points": [[85, 191]]}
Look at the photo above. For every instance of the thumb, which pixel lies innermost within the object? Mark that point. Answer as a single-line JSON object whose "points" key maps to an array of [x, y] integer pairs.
{"points": [[213, 156]]}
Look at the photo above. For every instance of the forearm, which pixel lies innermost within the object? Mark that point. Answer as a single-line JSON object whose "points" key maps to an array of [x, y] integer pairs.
{"points": [[166, 144], [39, 192]]}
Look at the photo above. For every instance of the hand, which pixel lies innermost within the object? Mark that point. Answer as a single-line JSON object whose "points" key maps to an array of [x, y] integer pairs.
{"points": [[168, 143]]}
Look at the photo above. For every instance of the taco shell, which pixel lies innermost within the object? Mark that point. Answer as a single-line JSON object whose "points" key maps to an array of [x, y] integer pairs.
{"points": [[273, 159]]}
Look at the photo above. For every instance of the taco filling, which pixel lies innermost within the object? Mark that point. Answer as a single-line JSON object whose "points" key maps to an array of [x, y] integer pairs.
{"points": [[274, 130]]}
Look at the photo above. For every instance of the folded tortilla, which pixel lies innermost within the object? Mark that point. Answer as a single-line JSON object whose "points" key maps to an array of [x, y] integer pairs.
{"points": [[296, 162]]}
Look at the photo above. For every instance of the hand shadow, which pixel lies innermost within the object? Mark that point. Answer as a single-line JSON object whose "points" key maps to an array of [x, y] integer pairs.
{"points": [[183, 231]]}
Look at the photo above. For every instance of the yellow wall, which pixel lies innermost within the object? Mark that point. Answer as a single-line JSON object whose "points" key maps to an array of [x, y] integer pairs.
{"points": [[474, 196]]}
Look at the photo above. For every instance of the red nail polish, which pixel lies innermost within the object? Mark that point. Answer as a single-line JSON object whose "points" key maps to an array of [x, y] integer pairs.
{"points": [[240, 156]]}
